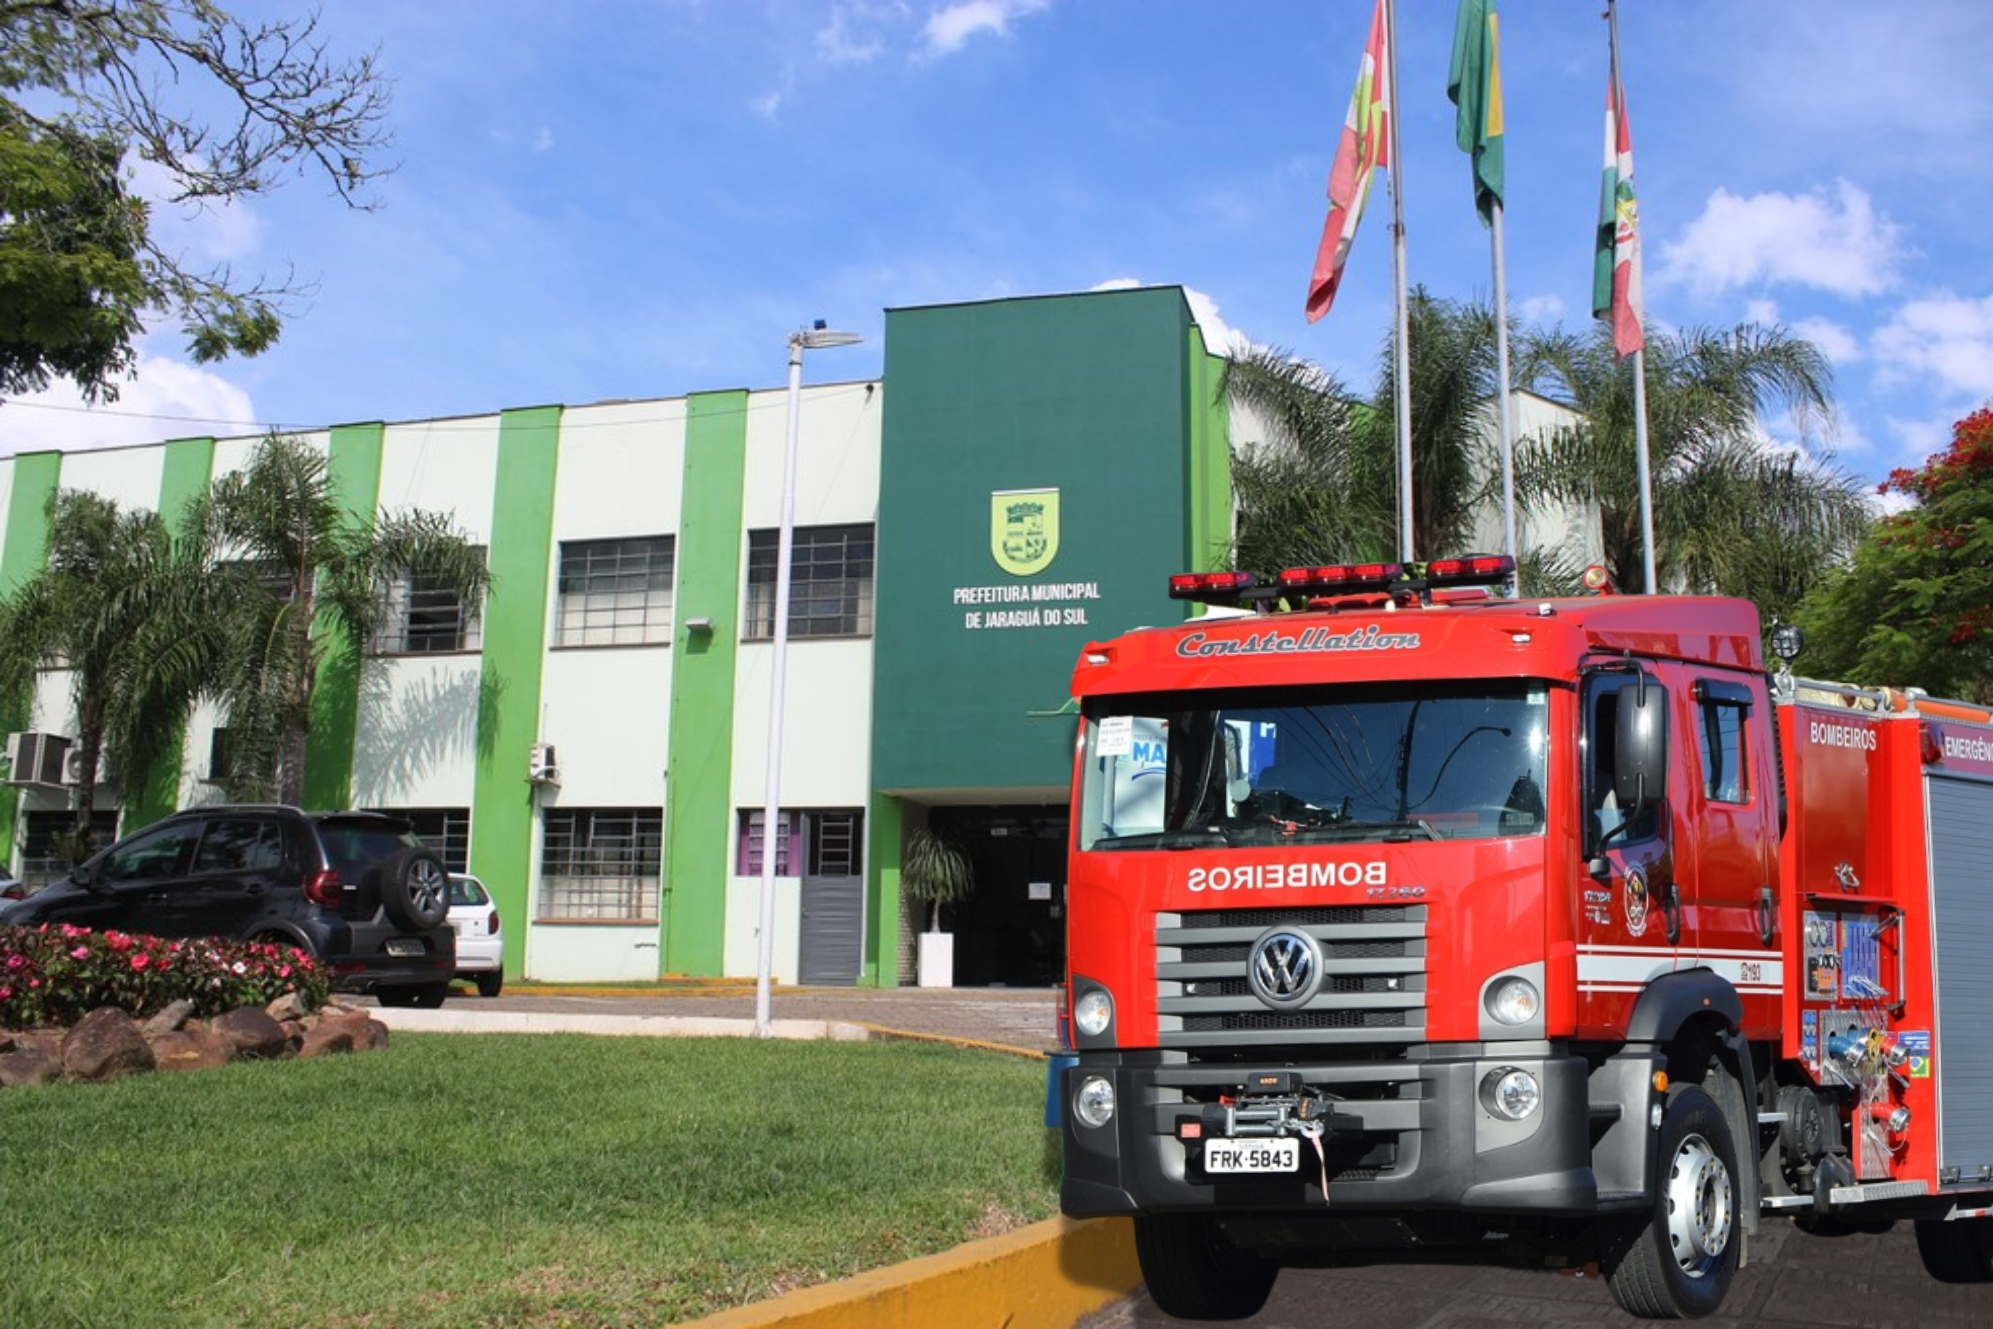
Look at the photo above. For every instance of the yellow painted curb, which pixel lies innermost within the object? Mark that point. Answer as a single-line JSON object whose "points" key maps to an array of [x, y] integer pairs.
{"points": [[979, 1045], [1045, 1276]]}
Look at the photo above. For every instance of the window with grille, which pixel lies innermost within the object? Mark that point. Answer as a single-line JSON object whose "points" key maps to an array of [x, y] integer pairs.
{"points": [[446, 831], [41, 861], [615, 592], [601, 864], [422, 616], [830, 582], [834, 839]]}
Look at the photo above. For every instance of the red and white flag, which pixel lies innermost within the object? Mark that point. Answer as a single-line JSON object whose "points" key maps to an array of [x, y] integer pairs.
{"points": [[1365, 146], [1616, 260]]}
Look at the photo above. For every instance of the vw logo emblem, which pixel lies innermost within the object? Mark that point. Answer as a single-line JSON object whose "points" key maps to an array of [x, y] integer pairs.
{"points": [[1285, 968]]}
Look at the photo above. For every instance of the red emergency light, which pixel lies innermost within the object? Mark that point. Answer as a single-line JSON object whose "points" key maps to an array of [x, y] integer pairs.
{"points": [[1211, 587], [1474, 570], [1342, 577]]}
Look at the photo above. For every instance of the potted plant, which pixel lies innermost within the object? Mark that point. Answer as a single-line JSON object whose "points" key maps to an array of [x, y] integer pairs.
{"points": [[935, 871]]}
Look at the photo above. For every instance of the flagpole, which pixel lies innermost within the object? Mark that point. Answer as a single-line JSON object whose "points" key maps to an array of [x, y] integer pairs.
{"points": [[1504, 404], [1640, 354], [1401, 326]]}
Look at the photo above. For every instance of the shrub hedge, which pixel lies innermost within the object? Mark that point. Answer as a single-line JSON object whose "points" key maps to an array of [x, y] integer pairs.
{"points": [[55, 974]]}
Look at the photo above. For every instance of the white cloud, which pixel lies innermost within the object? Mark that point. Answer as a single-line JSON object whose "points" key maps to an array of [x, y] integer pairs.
{"points": [[1917, 439], [767, 105], [1542, 309], [544, 140], [841, 41], [207, 231], [1835, 243], [1835, 342], [1946, 337], [1220, 337], [950, 27], [167, 399]]}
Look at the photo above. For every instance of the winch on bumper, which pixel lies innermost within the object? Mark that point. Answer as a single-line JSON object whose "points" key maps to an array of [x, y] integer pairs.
{"points": [[1484, 1127]]}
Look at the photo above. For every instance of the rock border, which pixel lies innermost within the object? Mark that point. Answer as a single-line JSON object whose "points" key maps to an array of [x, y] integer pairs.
{"points": [[108, 1044]]}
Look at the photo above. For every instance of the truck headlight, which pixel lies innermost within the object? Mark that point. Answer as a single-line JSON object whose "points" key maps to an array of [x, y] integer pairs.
{"points": [[1094, 1103], [1093, 1012], [1514, 1001], [1510, 1093]]}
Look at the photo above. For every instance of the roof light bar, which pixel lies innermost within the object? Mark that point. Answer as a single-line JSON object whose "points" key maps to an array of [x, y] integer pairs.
{"points": [[1474, 570], [1342, 577], [1210, 587]]}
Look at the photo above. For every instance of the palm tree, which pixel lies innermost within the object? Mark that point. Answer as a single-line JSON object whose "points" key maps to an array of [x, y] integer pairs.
{"points": [[1732, 513], [1324, 488], [117, 609], [294, 570]]}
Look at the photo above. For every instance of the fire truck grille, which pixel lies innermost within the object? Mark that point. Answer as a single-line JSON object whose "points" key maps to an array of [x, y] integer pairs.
{"points": [[1370, 992], [1199, 1024]]}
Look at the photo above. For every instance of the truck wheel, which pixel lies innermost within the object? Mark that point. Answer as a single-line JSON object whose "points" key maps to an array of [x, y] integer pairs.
{"points": [[1678, 1264], [1195, 1273], [1960, 1251]]}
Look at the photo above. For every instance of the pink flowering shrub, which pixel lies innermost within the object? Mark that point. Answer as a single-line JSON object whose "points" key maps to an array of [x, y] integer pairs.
{"points": [[55, 974]]}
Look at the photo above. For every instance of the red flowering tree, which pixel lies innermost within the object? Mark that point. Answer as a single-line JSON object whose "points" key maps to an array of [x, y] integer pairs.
{"points": [[1915, 608]]}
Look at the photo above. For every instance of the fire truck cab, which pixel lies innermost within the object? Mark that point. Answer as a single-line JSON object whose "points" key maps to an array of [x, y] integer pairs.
{"points": [[1412, 922]]}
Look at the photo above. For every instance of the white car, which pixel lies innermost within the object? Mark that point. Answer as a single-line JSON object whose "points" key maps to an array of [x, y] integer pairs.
{"points": [[480, 953]]}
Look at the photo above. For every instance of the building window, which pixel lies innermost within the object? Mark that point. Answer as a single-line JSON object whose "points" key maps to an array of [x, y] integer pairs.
{"points": [[221, 755], [421, 616], [615, 592], [835, 840], [601, 864], [446, 831], [42, 860], [830, 582]]}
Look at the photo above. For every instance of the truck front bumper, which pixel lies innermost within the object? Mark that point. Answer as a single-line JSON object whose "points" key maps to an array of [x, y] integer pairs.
{"points": [[1412, 1135]]}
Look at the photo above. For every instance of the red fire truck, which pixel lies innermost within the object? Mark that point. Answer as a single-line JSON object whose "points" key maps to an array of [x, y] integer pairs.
{"points": [[1411, 921]]}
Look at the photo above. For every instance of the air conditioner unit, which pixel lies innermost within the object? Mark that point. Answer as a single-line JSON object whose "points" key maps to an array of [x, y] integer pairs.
{"points": [[37, 758], [542, 766], [72, 767]]}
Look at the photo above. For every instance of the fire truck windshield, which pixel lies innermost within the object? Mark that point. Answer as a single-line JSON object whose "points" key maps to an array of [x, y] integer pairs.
{"points": [[1258, 766]]}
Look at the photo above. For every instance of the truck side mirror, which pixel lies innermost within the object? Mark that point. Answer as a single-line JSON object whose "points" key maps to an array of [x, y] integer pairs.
{"points": [[1640, 734]]}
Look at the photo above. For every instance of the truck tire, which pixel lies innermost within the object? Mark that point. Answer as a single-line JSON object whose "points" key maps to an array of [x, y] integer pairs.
{"points": [[415, 889], [1960, 1251], [1195, 1273], [1677, 1265]]}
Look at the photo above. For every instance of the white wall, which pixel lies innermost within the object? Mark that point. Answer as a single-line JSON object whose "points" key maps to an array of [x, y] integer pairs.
{"points": [[128, 477], [827, 693], [607, 709]]}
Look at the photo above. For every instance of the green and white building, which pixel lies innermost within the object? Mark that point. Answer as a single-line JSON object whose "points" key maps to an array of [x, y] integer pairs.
{"points": [[1021, 481]]}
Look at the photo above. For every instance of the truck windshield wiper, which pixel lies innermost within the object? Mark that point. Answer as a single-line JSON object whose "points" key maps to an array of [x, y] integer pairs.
{"points": [[1193, 837], [1387, 831]]}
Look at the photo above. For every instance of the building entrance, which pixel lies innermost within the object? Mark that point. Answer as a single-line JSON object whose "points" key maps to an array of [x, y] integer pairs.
{"points": [[1011, 931]]}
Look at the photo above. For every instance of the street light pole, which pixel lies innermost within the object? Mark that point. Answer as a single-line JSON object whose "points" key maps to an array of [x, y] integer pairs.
{"points": [[812, 338]]}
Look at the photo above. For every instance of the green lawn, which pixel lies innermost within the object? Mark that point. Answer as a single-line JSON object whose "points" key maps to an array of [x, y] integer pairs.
{"points": [[525, 1180]]}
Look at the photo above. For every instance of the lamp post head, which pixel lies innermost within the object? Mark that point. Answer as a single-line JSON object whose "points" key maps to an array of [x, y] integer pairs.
{"points": [[820, 337]]}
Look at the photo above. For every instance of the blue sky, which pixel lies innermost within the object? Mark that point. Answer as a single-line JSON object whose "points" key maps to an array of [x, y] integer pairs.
{"points": [[635, 198]]}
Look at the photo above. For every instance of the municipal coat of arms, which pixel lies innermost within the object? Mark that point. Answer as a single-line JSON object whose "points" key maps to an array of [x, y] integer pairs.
{"points": [[1024, 529]]}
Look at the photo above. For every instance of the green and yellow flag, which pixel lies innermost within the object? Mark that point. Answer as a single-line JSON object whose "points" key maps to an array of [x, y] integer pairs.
{"points": [[1474, 84]]}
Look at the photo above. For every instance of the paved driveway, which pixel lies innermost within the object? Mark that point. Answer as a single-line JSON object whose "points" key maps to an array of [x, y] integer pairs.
{"points": [[1794, 1280]]}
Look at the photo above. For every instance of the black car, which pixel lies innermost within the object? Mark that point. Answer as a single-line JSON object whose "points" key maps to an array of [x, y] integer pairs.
{"points": [[356, 890]]}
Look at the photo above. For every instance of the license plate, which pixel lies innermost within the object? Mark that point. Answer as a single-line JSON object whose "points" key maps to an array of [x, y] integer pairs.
{"points": [[406, 946], [1252, 1155]]}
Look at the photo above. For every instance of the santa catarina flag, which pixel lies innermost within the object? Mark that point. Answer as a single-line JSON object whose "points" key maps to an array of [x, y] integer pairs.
{"points": [[1474, 84], [1616, 262], [1365, 146]]}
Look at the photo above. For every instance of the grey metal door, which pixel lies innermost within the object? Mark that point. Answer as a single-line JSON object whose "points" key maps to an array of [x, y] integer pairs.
{"points": [[1961, 822], [833, 942]]}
